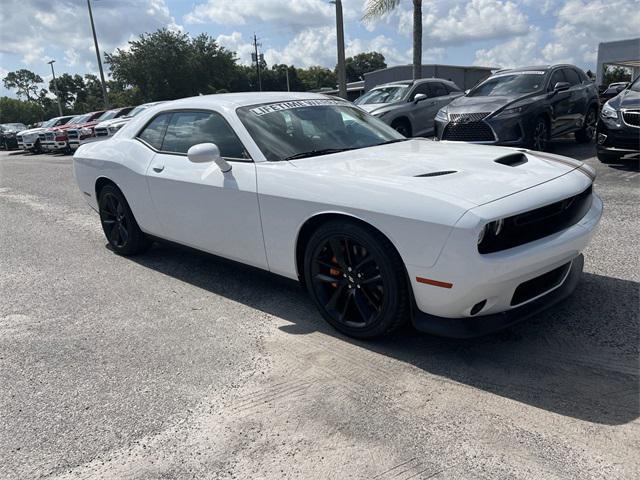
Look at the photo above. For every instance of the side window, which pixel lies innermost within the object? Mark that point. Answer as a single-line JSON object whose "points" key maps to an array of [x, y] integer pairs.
{"points": [[556, 77], [154, 131], [422, 88], [191, 128], [436, 89], [572, 76]]}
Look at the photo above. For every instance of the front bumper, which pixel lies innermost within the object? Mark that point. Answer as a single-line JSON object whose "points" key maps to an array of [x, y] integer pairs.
{"points": [[470, 327], [614, 136], [508, 131], [492, 280]]}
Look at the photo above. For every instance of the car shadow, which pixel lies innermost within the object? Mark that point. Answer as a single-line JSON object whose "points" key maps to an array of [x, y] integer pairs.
{"points": [[578, 359], [568, 147]]}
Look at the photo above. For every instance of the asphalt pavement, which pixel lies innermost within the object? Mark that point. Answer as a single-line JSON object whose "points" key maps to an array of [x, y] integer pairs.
{"points": [[176, 364]]}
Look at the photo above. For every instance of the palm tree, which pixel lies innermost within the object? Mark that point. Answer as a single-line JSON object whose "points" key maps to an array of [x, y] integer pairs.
{"points": [[378, 8]]}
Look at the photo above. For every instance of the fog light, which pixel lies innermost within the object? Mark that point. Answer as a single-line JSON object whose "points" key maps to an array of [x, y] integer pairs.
{"points": [[601, 138], [478, 306]]}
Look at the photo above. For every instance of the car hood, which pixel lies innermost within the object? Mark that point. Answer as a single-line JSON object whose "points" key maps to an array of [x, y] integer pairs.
{"points": [[482, 104], [113, 121], [626, 99], [31, 131], [474, 177]]}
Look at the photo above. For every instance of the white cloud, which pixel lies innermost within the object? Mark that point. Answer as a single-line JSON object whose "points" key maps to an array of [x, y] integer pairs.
{"points": [[291, 14], [518, 51], [31, 29], [236, 43]]}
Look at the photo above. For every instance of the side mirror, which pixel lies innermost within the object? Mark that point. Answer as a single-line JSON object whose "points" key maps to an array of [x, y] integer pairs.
{"points": [[561, 86], [467, 91], [208, 152], [418, 97]]}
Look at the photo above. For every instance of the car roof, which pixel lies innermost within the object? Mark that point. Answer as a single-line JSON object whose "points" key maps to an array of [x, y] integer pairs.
{"points": [[413, 82], [235, 100]]}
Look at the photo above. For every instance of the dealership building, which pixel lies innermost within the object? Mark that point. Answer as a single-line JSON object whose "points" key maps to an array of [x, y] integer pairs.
{"points": [[623, 53]]}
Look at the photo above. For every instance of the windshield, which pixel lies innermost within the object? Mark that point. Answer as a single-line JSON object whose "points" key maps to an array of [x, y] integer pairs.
{"points": [[509, 84], [50, 123], [108, 115], [136, 111], [79, 119], [383, 95], [304, 128], [635, 86]]}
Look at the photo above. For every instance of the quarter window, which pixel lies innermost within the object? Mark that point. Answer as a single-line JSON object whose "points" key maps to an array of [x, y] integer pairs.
{"points": [[153, 133], [191, 128]]}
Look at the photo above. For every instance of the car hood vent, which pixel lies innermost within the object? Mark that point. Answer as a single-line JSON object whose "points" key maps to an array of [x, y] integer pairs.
{"points": [[512, 160], [437, 174]]}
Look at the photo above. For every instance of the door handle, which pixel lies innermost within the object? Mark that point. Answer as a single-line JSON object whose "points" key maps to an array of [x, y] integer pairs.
{"points": [[158, 169]]}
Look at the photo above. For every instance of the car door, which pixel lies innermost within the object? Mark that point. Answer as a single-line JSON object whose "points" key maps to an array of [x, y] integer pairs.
{"points": [[579, 101], [422, 120], [439, 96], [560, 103], [199, 205]]}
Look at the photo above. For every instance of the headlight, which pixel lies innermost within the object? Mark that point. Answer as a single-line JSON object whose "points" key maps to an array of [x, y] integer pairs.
{"points": [[512, 111], [443, 114], [491, 229], [86, 132], [609, 112], [114, 129]]}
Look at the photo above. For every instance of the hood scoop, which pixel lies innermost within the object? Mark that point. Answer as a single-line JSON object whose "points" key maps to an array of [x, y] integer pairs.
{"points": [[437, 174], [512, 160]]}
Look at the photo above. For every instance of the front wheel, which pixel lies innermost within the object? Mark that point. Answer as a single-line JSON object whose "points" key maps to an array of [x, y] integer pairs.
{"points": [[357, 279], [540, 135], [403, 127], [588, 130], [118, 223]]}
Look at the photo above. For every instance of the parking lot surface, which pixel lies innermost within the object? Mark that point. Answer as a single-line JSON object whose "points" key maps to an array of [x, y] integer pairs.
{"points": [[176, 364]]}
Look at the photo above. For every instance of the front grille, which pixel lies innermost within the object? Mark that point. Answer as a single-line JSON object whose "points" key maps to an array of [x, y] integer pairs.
{"points": [[631, 117], [467, 117], [102, 132], [72, 134], [468, 132], [539, 223], [539, 285], [42, 137], [49, 136]]}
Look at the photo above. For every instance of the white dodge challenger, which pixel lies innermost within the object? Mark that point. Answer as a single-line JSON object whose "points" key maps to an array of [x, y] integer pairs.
{"points": [[460, 239]]}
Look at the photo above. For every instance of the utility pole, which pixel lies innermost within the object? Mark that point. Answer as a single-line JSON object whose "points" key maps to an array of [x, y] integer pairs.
{"points": [[55, 86], [287, 71], [95, 42], [342, 73], [257, 60]]}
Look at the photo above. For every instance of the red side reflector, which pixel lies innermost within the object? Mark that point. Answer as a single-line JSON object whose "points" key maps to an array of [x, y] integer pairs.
{"points": [[435, 283]]}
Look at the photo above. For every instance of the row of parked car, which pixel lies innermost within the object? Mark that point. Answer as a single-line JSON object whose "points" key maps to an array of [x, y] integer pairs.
{"points": [[65, 134], [518, 107]]}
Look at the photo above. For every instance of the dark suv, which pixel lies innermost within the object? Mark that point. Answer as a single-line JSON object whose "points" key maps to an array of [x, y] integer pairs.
{"points": [[619, 125], [523, 107]]}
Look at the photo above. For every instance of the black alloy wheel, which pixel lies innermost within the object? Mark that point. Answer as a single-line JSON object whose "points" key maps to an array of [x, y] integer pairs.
{"points": [[356, 279], [402, 127], [540, 135], [588, 130], [118, 223]]}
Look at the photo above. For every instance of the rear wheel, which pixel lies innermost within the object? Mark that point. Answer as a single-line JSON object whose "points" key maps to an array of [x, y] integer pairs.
{"points": [[357, 279], [402, 126], [588, 130], [118, 223]]}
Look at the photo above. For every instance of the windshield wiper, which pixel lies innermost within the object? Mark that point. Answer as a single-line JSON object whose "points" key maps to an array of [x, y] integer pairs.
{"points": [[313, 153]]}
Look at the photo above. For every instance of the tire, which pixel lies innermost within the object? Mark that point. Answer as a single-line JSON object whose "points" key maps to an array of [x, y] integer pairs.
{"points": [[587, 132], [402, 126], [608, 157], [370, 295], [540, 135], [118, 223]]}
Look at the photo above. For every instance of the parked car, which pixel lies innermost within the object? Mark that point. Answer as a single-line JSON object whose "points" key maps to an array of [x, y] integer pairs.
{"points": [[108, 128], [524, 107], [618, 133], [54, 139], [409, 106], [463, 239], [8, 134], [86, 132], [30, 140]]}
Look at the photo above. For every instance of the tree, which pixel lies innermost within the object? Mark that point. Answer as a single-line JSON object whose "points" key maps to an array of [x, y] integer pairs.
{"points": [[25, 82], [362, 63], [89, 98], [317, 77], [69, 86], [13, 110], [377, 8], [165, 65], [615, 74]]}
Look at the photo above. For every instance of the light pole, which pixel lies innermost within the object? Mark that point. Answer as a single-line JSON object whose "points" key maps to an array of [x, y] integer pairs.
{"points": [[342, 74], [55, 86], [95, 42]]}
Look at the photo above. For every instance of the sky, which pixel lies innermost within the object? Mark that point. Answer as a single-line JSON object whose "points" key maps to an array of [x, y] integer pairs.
{"points": [[495, 33]]}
